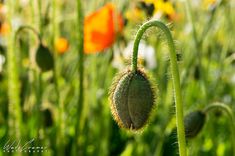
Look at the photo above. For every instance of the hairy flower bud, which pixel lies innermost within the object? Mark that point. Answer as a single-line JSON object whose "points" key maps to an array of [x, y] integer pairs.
{"points": [[193, 123], [132, 99]]}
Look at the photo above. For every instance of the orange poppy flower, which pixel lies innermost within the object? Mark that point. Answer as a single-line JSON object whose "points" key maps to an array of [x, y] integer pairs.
{"points": [[100, 28], [61, 45], [4, 28]]}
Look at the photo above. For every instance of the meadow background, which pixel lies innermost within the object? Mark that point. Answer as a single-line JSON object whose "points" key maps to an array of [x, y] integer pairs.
{"points": [[52, 108]]}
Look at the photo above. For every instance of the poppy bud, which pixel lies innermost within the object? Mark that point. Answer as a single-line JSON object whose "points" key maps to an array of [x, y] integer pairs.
{"points": [[44, 58], [193, 123], [197, 73], [132, 99], [47, 118]]}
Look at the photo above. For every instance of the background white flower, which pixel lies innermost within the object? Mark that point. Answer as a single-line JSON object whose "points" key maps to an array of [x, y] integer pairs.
{"points": [[2, 61], [145, 53]]}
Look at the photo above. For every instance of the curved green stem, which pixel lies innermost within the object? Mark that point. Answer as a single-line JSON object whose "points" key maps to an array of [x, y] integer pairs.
{"points": [[229, 112], [175, 77], [27, 27]]}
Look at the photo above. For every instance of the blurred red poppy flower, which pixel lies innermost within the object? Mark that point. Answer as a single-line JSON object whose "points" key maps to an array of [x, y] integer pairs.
{"points": [[101, 28], [4, 28]]}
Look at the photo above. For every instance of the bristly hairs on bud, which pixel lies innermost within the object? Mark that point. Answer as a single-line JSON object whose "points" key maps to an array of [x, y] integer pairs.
{"points": [[127, 120]]}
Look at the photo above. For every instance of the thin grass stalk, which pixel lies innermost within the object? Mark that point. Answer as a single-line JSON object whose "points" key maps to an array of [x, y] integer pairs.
{"points": [[39, 101], [40, 21], [60, 121], [80, 40], [39, 90], [31, 70]]}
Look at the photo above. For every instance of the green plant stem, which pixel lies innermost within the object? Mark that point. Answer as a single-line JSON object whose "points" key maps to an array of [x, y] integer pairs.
{"points": [[27, 27], [40, 88], [80, 47], [175, 76], [15, 115], [38, 102], [40, 17], [197, 43], [191, 20], [227, 109], [60, 141]]}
